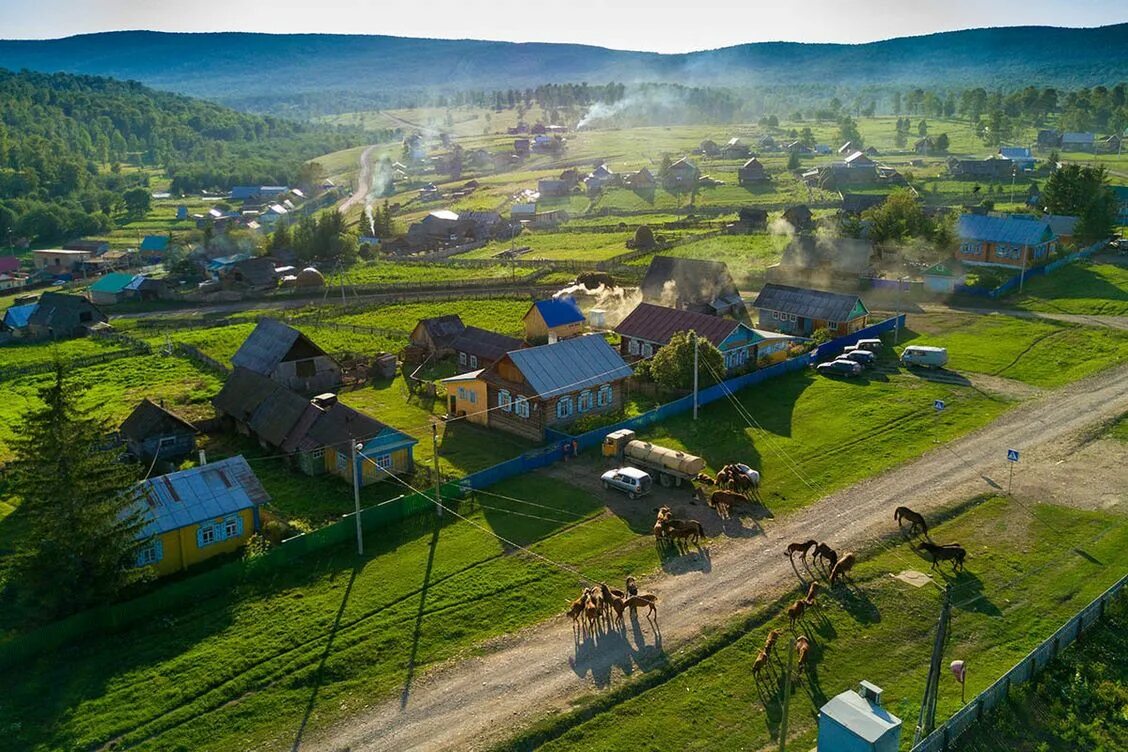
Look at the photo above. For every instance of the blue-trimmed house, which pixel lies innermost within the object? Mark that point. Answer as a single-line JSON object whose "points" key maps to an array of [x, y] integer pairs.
{"points": [[192, 515], [1010, 242], [553, 385]]}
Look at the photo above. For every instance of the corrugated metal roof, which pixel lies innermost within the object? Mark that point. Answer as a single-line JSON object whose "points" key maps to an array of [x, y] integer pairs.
{"points": [[154, 243], [17, 317], [277, 415], [1015, 152], [1062, 224], [807, 303], [170, 502], [559, 311], [1003, 229], [112, 283], [484, 343], [266, 346], [852, 711], [242, 393], [656, 323], [570, 365]]}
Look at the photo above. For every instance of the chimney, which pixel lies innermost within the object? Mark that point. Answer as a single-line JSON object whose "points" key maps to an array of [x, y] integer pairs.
{"points": [[870, 692]]}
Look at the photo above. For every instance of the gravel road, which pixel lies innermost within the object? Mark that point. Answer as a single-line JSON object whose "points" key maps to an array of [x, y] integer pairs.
{"points": [[472, 703]]}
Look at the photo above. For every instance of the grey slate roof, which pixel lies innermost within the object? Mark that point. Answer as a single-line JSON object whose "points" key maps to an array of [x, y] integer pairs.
{"points": [[570, 365], [484, 343], [169, 502], [277, 415], [267, 346], [694, 280], [58, 309], [443, 329], [806, 303], [1062, 224], [1003, 229], [242, 394], [655, 323], [149, 419]]}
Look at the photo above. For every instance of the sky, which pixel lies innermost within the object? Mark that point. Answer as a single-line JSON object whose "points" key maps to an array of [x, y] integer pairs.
{"points": [[655, 25]]}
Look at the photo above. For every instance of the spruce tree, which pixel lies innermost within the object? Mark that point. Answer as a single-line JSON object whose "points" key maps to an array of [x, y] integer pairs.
{"points": [[80, 543]]}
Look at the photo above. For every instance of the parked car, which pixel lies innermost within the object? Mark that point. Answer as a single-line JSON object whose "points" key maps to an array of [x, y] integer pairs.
{"points": [[630, 480], [924, 355], [865, 357], [840, 367], [873, 345]]}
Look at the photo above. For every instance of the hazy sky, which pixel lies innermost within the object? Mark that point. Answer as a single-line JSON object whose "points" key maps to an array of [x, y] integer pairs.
{"points": [[660, 25]]}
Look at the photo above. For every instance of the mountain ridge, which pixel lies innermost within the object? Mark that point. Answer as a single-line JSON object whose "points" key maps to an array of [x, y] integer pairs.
{"points": [[230, 66]]}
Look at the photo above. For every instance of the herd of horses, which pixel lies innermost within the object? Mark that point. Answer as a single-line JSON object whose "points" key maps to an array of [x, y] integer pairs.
{"points": [[605, 605], [952, 552]]}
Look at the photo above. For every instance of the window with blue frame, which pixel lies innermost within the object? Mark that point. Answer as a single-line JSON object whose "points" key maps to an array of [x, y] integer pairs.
{"points": [[604, 396], [217, 531], [503, 400], [150, 554], [586, 400], [521, 407], [563, 407]]}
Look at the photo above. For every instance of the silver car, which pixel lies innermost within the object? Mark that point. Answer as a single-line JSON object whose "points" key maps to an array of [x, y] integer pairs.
{"points": [[630, 480]]}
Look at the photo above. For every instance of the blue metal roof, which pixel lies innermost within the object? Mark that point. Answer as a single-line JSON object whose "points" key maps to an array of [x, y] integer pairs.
{"points": [[17, 317], [1003, 229], [570, 365], [154, 243], [559, 311], [1016, 152], [170, 502]]}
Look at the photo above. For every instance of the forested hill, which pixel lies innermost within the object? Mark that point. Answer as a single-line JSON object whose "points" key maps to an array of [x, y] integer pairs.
{"points": [[242, 69], [72, 147]]}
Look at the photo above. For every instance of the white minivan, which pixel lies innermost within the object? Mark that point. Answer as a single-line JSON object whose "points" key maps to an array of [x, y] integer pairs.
{"points": [[924, 355]]}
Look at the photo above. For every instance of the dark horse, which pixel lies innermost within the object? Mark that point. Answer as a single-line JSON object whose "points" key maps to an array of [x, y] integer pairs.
{"points": [[916, 520], [953, 552]]}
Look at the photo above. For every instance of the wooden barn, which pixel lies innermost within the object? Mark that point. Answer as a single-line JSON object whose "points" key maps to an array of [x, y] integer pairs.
{"points": [[288, 357], [153, 433], [437, 334]]}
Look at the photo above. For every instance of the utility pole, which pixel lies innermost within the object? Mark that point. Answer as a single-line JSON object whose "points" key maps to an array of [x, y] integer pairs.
{"points": [[1022, 274], [438, 478], [694, 335], [786, 703], [356, 447], [897, 324], [927, 720]]}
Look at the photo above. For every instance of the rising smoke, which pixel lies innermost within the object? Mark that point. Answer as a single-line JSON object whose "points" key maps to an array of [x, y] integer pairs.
{"points": [[615, 301]]}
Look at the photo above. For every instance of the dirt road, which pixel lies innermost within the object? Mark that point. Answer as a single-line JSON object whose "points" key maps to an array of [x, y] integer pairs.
{"points": [[363, 181], [473, 703]]}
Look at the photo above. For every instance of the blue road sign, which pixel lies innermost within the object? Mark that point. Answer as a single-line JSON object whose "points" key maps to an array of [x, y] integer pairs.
{"points": [[939, 405], [1012, 455]]}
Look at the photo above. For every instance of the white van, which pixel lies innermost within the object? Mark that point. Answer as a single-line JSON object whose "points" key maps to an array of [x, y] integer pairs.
{"points": [[924, 355]]}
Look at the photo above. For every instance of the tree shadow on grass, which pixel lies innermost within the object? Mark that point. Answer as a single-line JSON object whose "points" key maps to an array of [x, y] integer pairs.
{"points": [[319, 674]]}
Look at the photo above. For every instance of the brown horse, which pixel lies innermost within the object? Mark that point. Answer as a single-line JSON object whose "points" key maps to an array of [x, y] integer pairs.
{"points": [[802, 650], [614, 599], [649, 600], [916, 520], [577, 607], [827, 554], [800, 548], [811, 592], [690, 530], [952, 552], [705, 479], [795, 611], [759, 663], [771, 640], [721, 500], [844, 565]]}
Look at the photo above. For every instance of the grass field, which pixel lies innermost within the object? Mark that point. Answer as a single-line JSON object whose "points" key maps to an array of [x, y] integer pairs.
{"points": [[37, 354], [1076, 703], [1040, 353], [877, 628], [745, 255], [1097, 289], [389, 272]]}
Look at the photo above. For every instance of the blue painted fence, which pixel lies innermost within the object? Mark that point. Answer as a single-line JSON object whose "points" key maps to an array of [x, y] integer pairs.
{"points": [[1011, 285], [558, 440]]}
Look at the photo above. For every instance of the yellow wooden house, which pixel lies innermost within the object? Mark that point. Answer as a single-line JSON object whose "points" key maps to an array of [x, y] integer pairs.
{"points": [[466, 397], [192, 515], [553, 319]]}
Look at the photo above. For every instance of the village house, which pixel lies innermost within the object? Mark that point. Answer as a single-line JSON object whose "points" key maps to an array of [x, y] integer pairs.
{"points": [[154, 247], [253, 193], [54, 316], [436, 335], [681, 175], [643, 180], [195, 514], [943, 277], [1004, 241], [437, 228], [800, 217], [1078, 141], [688, 284], [751, 218], [466, 397], [735, 149], [552, 319], [479, 348], [109, 289], [1063, 226], [151, 432], [752, 172], [1019, 156], [1109, 144], [807, 258], [316, 434], [709, 148], [854, 204], [144, 288], [523, 212], [288, 357], [599, 177], [59, 261], [550, 386], [548, 187], [249, 274], [801, 311], [992, 168], [649, 327]]}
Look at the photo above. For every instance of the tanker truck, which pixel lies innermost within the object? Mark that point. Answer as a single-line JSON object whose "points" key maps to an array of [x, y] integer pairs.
{"points": [[671, 466]]}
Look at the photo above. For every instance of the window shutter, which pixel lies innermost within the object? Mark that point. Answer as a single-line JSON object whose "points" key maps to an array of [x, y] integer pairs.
{"points": [[158, 550], [239, 525], [200, 536]]}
